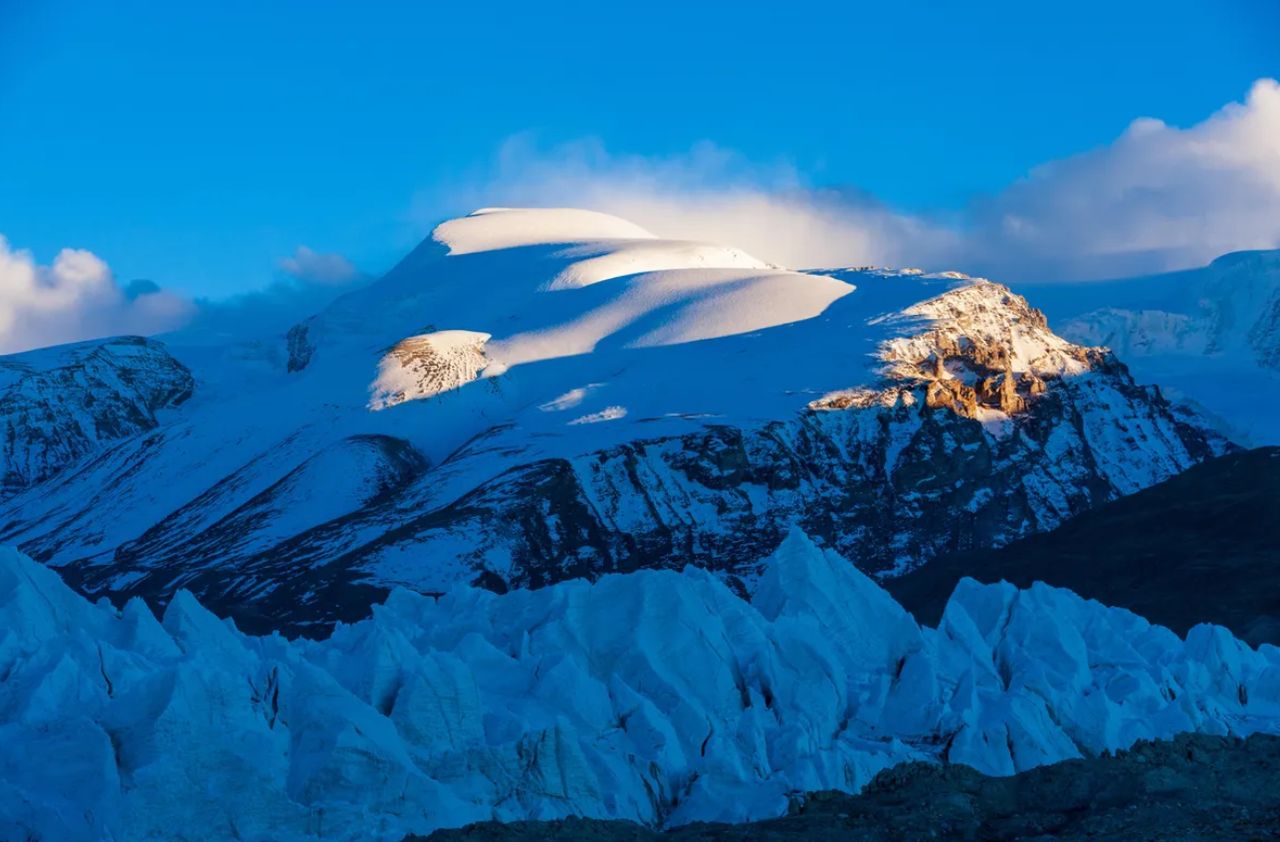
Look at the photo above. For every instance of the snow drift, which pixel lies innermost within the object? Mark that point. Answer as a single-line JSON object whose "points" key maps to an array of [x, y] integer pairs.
{"points": [[658, 696]]}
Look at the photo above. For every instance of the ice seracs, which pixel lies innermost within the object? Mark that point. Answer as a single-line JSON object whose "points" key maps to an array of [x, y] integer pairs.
{"points": [[660, 697]]}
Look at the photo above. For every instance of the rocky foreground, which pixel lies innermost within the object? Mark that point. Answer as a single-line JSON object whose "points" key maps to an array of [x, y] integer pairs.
{"points": [[1195, 787]]}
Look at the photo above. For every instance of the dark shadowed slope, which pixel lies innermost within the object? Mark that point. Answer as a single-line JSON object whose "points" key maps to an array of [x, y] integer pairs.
{"points": [[1203, 546]]}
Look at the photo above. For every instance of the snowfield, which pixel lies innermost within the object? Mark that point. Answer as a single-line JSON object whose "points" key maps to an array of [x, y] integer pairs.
{"points": [[658, 696], [533, 395], [1209, 336]]}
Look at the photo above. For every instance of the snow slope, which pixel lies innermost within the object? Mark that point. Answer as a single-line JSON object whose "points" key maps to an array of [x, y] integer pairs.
{"points": [[659, 697], [533, 395], [1210, 336]]}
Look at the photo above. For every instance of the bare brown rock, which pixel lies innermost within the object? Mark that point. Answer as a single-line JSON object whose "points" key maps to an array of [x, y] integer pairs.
{"points": [[953, 395]]}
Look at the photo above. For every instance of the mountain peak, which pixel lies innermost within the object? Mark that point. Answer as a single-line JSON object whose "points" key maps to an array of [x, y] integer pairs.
{"points": [[489, 229], [563, 395]]}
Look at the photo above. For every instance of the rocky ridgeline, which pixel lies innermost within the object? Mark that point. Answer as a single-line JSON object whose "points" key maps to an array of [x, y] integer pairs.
{"points": [[964, 359]]}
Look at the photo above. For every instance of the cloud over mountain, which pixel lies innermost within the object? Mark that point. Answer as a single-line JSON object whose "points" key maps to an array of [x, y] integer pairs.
{"points": [[77, 297], [1158, 197], [312, 267]]}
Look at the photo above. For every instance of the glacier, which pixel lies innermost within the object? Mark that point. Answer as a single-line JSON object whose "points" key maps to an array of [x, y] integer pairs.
{"points": [[657, 696]]}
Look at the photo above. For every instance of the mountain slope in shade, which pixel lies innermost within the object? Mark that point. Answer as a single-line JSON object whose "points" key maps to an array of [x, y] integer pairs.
{"points": [[60, 404], [1200, 547], [1210, 336], [660, 697], [535, 395]]}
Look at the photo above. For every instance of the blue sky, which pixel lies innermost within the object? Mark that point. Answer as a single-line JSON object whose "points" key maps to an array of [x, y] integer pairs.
{"points": [[199, 144]]}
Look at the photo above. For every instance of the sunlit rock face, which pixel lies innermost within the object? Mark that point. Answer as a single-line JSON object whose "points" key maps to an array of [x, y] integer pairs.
{"points": [[658, 697], [538, 395]]}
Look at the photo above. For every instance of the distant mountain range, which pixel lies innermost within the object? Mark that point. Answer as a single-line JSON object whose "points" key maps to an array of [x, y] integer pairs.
{"points": [[1210, 336], [538, 395]]}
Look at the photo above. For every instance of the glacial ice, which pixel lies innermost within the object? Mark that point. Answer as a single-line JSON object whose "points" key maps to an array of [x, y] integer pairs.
{"points": [[656, 696]]}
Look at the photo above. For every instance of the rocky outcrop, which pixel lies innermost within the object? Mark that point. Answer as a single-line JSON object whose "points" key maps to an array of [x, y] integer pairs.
{"points": [[299, 346], [60, 404], [427, 365], [1197, 786], [984, 348]]}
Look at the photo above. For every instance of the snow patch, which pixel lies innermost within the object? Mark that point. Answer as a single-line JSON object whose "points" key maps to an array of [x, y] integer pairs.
{"points": [[426, 365], [569, 399], [609, 413]]}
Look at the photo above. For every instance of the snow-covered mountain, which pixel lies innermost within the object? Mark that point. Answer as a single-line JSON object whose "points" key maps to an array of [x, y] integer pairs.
{"points": [[659, 697], [538, 395], [1210, 336], [60, 404]]}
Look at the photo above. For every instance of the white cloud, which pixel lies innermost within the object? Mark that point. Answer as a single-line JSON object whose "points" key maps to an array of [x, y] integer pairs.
{"points": [[75, 298], [1157, 198], [312, 267], [707, 194]]}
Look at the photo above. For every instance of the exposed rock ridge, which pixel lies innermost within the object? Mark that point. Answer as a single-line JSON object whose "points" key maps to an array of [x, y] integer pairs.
{"points": [[427, 365], [982, 347]]}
